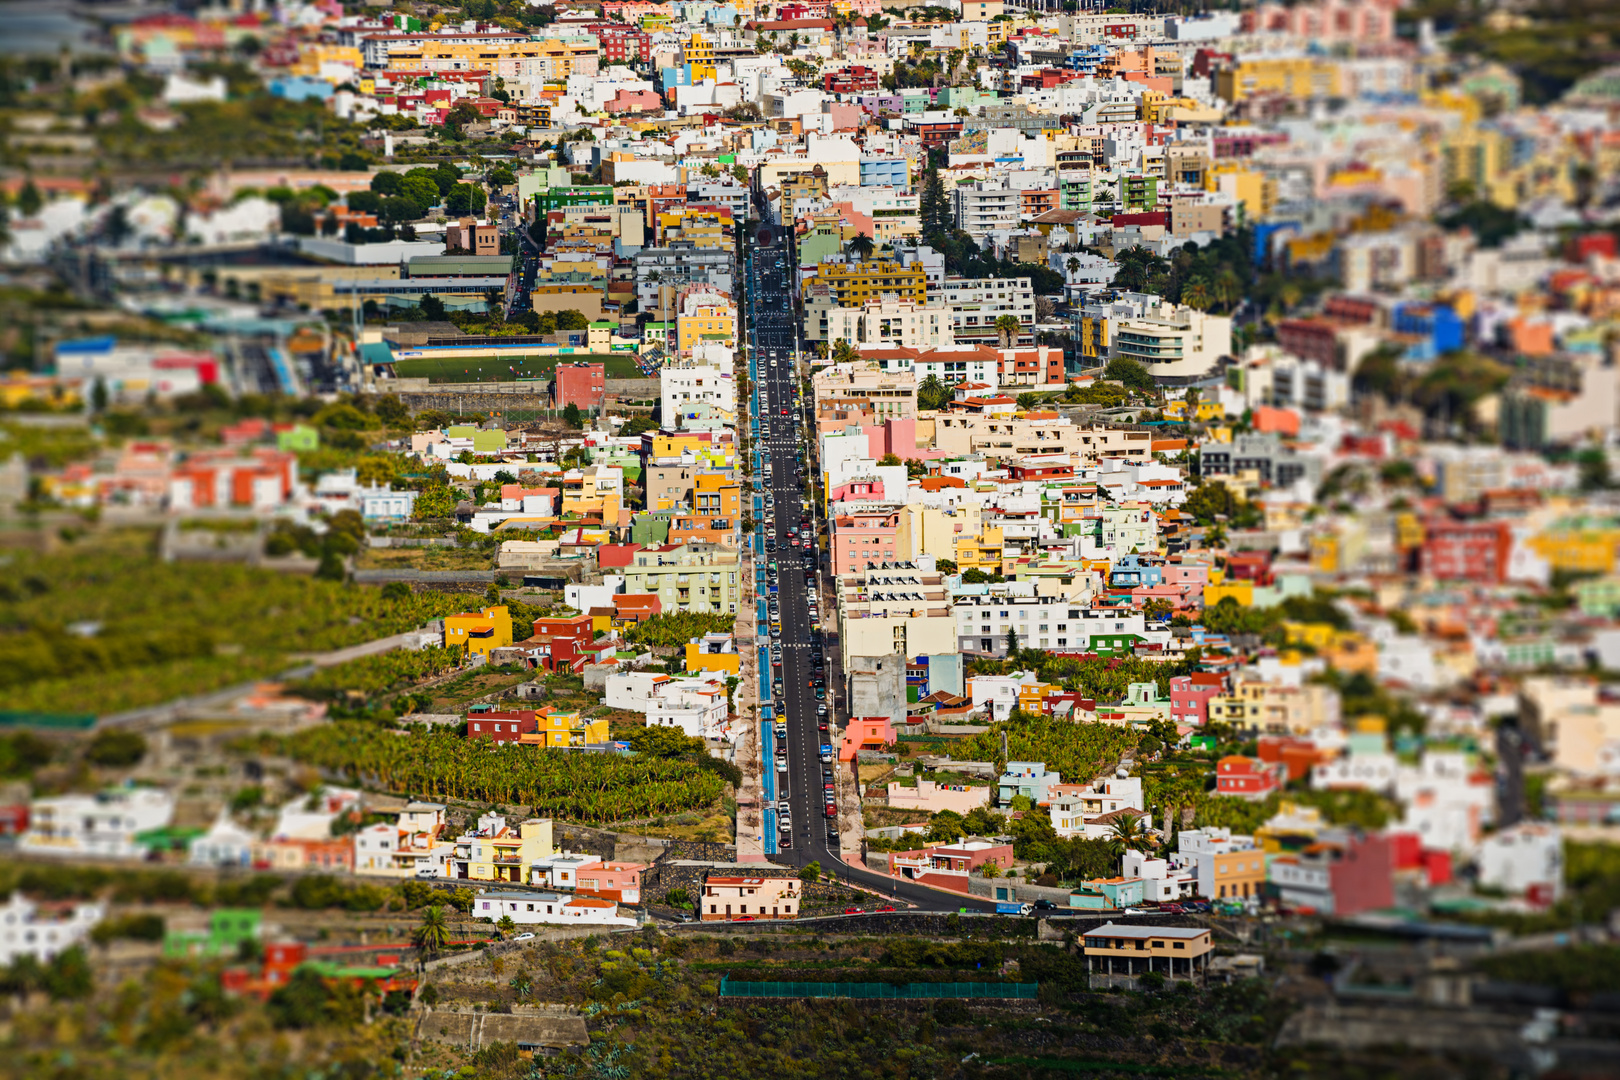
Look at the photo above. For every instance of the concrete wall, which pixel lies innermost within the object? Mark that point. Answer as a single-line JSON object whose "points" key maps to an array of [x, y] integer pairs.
{"points": [[550, 1026], [877, 686]]}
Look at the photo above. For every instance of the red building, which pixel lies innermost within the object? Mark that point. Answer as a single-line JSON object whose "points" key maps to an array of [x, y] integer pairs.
{"points": [[565, 641], [1467, 550], [1246, 777], [621, 44], [936, 133], [281, 958], [501, 725], [1252, 566], [13, 819], [1297, 756], [1047, 78], [580, 385], [1190, 694], [1361, 872], [1311, 339], [852, 80]]}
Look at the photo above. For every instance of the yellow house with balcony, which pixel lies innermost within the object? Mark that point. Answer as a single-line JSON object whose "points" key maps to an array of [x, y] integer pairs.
{"points": [[503, 853], [478, 631], [981, 552], [557, 728], [1239, 589], [1579, 545]]}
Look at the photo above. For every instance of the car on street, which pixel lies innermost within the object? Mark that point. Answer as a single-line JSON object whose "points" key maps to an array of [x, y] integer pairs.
{"points": [[1138, 911], [743, 918], [524, 937], [1045, 905], [854, 911]]}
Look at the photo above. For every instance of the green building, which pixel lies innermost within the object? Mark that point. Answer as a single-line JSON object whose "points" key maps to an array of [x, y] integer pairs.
{"points": [[574, 195], [1138, 193], [228, 928], [301, 437]]}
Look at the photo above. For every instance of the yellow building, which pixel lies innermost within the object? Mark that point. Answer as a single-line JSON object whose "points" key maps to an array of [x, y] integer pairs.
{"points": [[555, 59], [698, 51], [705, 227], [505, 854], [479, 631], [1241, 590], [1204, 411], [1302, 78], [927, 530], [19, 388], [333, 63], [980, 552], [556, 728], [1254, 190], [1579, 545], [706, 317], [852, 286], [1093, 337], [716, 653]]}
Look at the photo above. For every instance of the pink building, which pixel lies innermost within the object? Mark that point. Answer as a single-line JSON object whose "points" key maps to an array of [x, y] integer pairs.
{"points": [[1190, 694], [1189, 577], [865, 733], [611, 881], [863, 539], [949, 866], [897, 437], [1330, 21]]}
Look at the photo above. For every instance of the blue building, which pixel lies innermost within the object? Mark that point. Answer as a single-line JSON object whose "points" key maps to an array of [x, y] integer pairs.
{"points": [[1132, 570], [884, 171], [1439, 326], [301, 88]]}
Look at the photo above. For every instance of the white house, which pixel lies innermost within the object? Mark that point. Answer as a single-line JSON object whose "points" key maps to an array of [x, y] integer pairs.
{"points": [[1447, 800], [1161, 880], [1089, 810], [224, 844], [103, 825], [530, 909], [696, 705], [1198, 850], [561, 870], [27, 930], [406, 848], [1524, 857]]}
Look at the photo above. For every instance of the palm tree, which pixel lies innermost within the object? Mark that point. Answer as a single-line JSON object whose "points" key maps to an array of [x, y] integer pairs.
{"points": [[862, 247], [844, 353], [1007, 328], [1125, 833], [434, 932], [1073, 265], [1195, 294], [1228, 289], [505, 925]]}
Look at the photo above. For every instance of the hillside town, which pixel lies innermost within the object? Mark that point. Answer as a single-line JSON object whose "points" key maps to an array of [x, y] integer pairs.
{"points": [[1100, 514]]}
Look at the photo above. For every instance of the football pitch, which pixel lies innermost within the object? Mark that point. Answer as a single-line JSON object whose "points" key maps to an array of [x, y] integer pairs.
{"points": [[508, 368]]}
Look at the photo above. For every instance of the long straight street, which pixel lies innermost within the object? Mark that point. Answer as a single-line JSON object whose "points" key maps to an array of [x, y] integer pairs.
{"points": [[806, 758]]}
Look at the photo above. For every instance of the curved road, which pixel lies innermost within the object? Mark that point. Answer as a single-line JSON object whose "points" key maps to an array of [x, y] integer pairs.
{"points": [[774, 337]]}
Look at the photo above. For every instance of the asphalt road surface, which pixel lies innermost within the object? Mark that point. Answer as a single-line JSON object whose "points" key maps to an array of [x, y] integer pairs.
{"points": [[773, 335]]}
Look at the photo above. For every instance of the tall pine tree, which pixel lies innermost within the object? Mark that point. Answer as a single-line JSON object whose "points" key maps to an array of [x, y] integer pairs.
{"points": [[934, 208]]}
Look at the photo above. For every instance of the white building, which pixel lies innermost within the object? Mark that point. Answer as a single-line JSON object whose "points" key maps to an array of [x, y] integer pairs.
{"points": [[1198, 849], [103, 825], [531, 909], [1089, 810], [698, 394], [224, 844], [976, 304], [1524, 857], [25, 930], [1161, 880], [560, 870], [1175, 343], [1045, 622], [697, 705], [892, 324], [1447, 800]]}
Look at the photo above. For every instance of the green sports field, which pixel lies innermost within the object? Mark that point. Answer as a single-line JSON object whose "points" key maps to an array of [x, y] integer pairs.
{"points": [[500, 368]]}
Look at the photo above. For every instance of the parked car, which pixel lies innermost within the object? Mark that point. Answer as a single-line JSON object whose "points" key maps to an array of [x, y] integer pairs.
{"points": [[885, 907], [524, 937], [743, 918], [1045, 905], [1138, 911], [853, 911]]}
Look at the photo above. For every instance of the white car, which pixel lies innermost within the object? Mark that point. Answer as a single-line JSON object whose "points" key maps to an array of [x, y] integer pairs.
{"points": [[524, 937]]}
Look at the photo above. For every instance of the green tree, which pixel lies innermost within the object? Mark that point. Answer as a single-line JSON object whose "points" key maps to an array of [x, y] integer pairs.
{"points": [[889, 459], [29, 200], [1131, 373], [946, 826], [810, 872], [571, 416], [862, 247], [505, 925], [434, 502], [116, 749]]}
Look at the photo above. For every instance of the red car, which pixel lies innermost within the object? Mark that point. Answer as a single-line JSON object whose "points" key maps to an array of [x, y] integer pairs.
{"points": [[853, 911], [885, 907], [743, 918]]}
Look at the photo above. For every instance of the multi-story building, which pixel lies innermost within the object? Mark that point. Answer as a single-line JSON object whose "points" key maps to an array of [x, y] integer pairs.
{"points": [[976, 304], [1177, 344], [42, 932], [1343, 873], [986, 206], [706, 315], [888, 323], [1227, 865], [853, 284], [697, 392], [497, 851], [726, 898], [1046, 622], [1467, 550], [884, 610], [1090, 810], [581, 385], [699, 578], [1301, 78], [862, 392], [1274, 464], [99, 826], [1242, 777]]}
